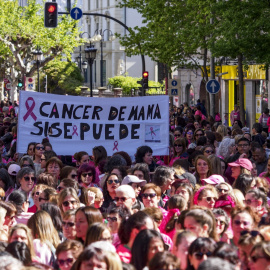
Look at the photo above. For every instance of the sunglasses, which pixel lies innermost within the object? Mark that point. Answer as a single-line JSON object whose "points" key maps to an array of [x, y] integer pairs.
{"points": [[199, 134], [42, 199], [59, 188], [252, 233], [87, 174], [238, 223], [26, 165], [255, 258], [150, 195], [66, 203], [113, 181], [28, 178], [122, 199], [208, 151], [209, 199], [67, 261], [221, 222], [69, 224], [222, 189], [190, 133], [73, 176], [178, 145], [37, 193], [40, 148], [199, 255], [177, 135], [248, 202], [113, 219]]}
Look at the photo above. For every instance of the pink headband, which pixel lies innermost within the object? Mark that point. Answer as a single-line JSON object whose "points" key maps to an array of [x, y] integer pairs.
{"points": [[197, 193], [226, 202]]}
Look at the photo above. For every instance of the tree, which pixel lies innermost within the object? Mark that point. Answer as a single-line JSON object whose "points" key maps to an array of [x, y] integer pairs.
{"points": [[22, 31], [175, 33], [242, 32], [63, 76]]}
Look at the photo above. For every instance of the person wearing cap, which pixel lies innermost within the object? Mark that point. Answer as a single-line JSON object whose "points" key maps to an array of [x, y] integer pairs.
{"points": [[136, 184], [214, 180], [240, 166]]}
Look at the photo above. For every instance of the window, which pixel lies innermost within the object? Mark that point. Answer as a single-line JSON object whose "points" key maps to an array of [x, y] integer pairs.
{"points": [[108, 3], [89, 4], [97, 3]]}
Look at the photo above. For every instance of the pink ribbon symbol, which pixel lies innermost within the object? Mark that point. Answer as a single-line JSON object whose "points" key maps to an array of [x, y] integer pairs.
{"points": [[115, 144], [152, 131], [75, 130], [30, 109]]}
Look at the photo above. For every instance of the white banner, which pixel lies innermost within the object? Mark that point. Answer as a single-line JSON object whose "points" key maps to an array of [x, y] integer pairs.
{"points": [[75, 124]]}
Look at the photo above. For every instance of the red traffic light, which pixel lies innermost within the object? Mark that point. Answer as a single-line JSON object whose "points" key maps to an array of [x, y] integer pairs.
{"points": [[145, 74], [52, 8]]}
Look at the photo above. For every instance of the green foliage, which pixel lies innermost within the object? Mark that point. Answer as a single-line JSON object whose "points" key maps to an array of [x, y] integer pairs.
{"points": [[128, 83], [22, 31], [65, 76]]}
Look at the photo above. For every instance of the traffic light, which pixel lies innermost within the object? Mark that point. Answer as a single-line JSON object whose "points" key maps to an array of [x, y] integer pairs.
{"points": [[50, 14], [145, 76], [20, 84]]}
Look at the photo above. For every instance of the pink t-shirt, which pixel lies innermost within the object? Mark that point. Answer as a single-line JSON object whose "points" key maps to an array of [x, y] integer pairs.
{"points": [[124, 253]]}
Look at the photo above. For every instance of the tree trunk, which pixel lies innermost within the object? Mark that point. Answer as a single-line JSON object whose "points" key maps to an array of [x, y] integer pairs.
{"points": [[241, 89], [206, 80]]}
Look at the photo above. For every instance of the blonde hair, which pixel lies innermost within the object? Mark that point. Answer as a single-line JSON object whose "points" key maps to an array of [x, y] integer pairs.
{"points": [[42, 227], [3, 212], [222, 130], [38, 186], [28, 235], [238, 197]]}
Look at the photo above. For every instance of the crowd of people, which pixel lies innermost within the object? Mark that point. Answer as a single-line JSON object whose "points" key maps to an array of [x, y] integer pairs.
{"points": [[204, 206]]}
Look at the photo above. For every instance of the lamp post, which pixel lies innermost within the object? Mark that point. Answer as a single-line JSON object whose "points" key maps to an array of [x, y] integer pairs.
{"points": [[90, 55], [37, 57], [99, 37]]}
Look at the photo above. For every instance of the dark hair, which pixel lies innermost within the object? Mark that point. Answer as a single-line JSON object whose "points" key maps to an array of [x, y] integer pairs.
{"points": [[243, 183], [164, 260], [65, 171], [86, 168], [141, 151], [136, 221], [105, 189], [70, 183], [221, 212], [201, 141], [122, 212], [22, 172], [87, 254], [201, 243], [55, 213], [78, 155], [258, 194], [215, 264], [49, 154], [4, 176], [140, 247], [258, 127], [227, 252], [161, 175], [29, 144], [113, 162], [99, 153], [18, 198], [144, 169], [126, 156], [20, 251], [122, 170], [243, 139]]}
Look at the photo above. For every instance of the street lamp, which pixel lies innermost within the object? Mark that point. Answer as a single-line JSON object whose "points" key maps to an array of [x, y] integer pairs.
{"points": [[90, 55], [99, 36], [37, 57]]}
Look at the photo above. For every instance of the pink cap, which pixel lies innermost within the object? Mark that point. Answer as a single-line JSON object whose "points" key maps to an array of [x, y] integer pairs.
{"points": [[214, 179], [243, 162]]}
